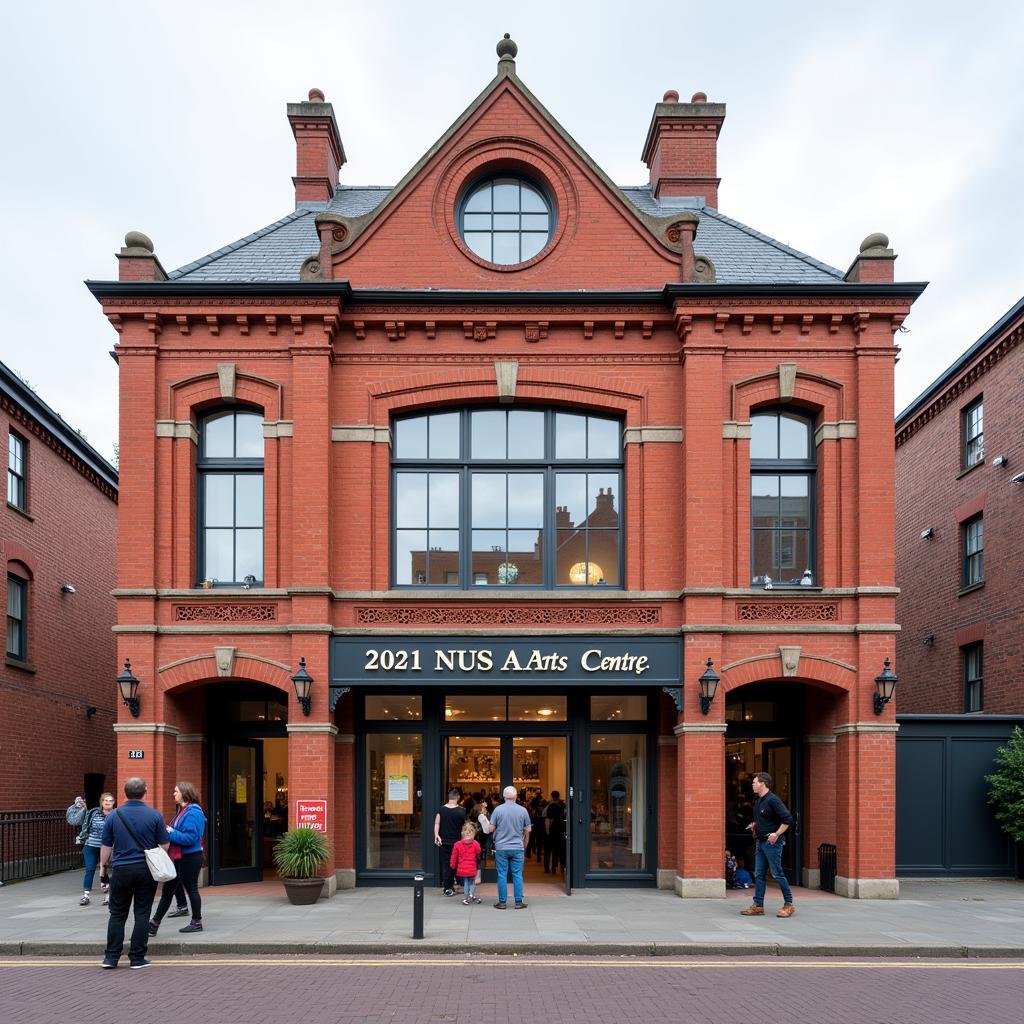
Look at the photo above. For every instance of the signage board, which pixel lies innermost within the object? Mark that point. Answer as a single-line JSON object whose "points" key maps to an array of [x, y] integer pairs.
{"points": [[136, 755], [311, 814]]}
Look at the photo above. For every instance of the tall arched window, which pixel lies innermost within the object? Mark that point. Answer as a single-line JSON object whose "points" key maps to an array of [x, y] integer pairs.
{"points": [[782, 473], [507, 497], [230, 468]]}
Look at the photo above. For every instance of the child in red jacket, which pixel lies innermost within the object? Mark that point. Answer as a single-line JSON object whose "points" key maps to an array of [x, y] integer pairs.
{"points": [[466, 860]]}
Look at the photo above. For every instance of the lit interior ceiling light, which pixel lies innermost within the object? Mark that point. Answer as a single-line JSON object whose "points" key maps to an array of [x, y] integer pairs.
{"points": [[545, 711]]}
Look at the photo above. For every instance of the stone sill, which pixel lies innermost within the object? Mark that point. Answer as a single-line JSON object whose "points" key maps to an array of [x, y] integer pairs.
{"points": [[23, 666], [970, 469], [970, 589], [21, 512]]}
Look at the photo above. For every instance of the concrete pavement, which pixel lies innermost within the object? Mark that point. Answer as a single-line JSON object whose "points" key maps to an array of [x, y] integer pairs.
{"points": [[938, 919]]}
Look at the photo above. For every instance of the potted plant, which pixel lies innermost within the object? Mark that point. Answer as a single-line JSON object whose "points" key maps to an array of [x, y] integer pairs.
{"points": [[298, 855]]}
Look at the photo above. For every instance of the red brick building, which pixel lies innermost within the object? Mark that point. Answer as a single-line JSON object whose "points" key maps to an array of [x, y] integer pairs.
{"points": [[960, 532], [506, 453], [58, 543]]}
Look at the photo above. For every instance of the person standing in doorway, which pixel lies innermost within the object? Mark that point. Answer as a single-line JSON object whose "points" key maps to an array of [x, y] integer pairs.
{"points": [[771, 822], [510, 824], [185, 831], [132, 829], [448, 824], [554, 823]]}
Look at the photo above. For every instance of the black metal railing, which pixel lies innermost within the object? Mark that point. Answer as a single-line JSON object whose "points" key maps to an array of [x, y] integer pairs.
{"points": [[827, 867], [36, 843]]}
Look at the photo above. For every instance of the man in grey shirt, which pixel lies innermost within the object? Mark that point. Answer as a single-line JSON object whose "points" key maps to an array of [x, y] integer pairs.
{"points": [[510, 823]]}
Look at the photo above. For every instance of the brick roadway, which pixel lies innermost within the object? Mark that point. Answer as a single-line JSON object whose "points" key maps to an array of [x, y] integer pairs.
{"points": [[489, 990]]}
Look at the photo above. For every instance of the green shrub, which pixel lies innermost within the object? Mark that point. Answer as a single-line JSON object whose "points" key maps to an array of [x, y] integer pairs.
{"points": [[1006, 786], [300, 852]]}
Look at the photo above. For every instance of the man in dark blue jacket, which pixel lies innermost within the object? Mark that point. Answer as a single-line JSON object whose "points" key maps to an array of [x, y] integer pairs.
{"points": [[771, 822], [129, 831]]}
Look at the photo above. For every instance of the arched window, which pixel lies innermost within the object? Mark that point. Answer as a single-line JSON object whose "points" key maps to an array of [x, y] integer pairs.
{"points": [[507, 497], [782, 473], [506, 220], [230, 468]]}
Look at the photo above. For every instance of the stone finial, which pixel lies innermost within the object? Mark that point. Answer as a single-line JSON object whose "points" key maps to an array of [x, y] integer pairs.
{"points": [[137, 244], [507, 48], [874, 261], [671, 96], [316, 96], [699, 97], [876, 240]]}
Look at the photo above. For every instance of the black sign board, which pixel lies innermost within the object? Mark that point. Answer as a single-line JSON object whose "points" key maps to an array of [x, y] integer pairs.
{"points": [[136, 755]]}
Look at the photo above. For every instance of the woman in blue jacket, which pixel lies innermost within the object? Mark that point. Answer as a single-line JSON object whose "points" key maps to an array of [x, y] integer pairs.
{"points": [[185, 834]]}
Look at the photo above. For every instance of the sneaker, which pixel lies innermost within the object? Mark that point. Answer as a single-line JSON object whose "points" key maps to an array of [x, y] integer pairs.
{"points": [[476, 899], [449, 892], [501, 906], [192, 926], [105, 887], [108, 965], [787, 910], [138, 965], [179, 912], [468, 901], [153, 928], [106, 899], [753, 911], [521, 905], [84, 901]]}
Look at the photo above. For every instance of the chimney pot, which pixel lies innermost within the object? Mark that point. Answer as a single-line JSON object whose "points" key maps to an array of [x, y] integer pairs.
{"points": [[670, 97], [699, 97], [316, 96]]}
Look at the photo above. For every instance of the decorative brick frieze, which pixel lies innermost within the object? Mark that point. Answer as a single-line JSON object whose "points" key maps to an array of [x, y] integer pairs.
{"points": [[788, 611], [225, 613], [497, 616]]}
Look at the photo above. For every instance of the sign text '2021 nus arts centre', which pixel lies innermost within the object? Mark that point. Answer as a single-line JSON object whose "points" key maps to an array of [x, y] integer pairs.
{"points": [[365, 660]]}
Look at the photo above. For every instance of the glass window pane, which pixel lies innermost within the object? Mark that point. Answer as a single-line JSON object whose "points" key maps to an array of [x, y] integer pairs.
{"points": [[488, 556], [532, 243], [570, 436], [526, 499], [790, 547], [477, 222], [218, 437], [394, 811], [410, 499], [537, 709], [506, 195], [618, 707], [794, 438], [618, 802], [532, 200], [506, 222], [489, 504], [220, 499], [764, 501], [602, 438], [571, 558], [525, 559], [248, 500], [15, 593], [763, 556], [536, 222], [444, 436], [506, 248], [411, 438], [602, 503], [603, 557], [487, 431], [443, 557], [480, 200], [480, 243], [764, 437], [248, 554], [396, 706], [526, 435], [796, 502], [570, 499], [443, 502], [218, 556], [249, 436], [486, 707], [410, 556]]}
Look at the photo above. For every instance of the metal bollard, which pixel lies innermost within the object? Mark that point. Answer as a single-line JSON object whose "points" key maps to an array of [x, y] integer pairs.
{"points": [[417, 907]]}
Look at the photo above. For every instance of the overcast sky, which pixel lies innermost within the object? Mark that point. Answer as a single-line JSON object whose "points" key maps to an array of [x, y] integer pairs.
{"points": [[905, 117]]}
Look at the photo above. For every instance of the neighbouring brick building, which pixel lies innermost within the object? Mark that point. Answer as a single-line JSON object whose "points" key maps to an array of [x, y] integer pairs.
{"points": [[500, 457], [58, 543], [960, 532]]}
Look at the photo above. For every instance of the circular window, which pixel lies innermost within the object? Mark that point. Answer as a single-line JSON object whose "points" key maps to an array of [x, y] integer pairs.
{"points": [[506, 220]]}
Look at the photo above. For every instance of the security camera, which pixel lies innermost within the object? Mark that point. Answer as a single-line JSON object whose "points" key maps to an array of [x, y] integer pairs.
{"points": [[1018, 479], [67, 588], [927, 533]]}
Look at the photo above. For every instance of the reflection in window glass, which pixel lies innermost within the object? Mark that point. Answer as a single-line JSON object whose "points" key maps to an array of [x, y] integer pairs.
{"points": [[394, 812], [587, 517], [474, 708], [506, 221], [400, 707], [570, 436], [618, 707], [618, 802], [537, 709], [525, 435]]}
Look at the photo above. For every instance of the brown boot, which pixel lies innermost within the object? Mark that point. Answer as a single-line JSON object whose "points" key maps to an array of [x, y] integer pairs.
{"points": [[753, 911], [786, 911]]}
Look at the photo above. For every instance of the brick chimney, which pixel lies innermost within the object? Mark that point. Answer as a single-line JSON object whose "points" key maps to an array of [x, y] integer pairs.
{"points": [[682, 147], [137, 261], [319, 154]]}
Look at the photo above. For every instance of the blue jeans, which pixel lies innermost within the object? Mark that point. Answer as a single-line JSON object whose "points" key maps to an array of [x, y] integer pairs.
{"points": [[769, 856], [92, 858], [503, 860]]}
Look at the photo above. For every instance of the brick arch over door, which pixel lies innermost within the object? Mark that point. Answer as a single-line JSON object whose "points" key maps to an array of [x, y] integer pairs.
{"points": [[827, 674], [202, 669], [812, 394]]}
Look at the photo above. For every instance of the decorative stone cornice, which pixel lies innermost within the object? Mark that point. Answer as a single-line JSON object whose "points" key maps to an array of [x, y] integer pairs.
{"points": [[851, 728], [367, 434], [139, 728], [700, 727], [312, 727], [652, 435]]}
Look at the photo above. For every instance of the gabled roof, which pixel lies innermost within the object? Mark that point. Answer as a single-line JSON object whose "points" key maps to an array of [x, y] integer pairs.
{"points": [[740, 254]]}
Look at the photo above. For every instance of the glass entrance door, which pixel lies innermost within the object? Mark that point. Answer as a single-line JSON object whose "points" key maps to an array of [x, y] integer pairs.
{"points": [[237, 854], [777, 761]]}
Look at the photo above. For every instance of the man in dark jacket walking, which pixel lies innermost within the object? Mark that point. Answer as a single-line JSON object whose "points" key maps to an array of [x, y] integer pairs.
{"points": [[129, 831], [771, 822]]}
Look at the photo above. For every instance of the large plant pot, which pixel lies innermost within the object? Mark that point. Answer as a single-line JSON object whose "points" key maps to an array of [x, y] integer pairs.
{"points": [[303, 892]]}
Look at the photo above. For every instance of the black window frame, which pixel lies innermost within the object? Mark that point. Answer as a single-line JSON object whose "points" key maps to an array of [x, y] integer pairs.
{"points": [[213, 466], [21, 630], [969, 439], [972, 562], [521, 179], [549, 466], [807, 467], [974, 677], [19, 481]]}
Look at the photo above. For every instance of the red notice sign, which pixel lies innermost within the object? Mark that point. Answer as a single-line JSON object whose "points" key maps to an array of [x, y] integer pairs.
{"points": [[311, 814]]}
